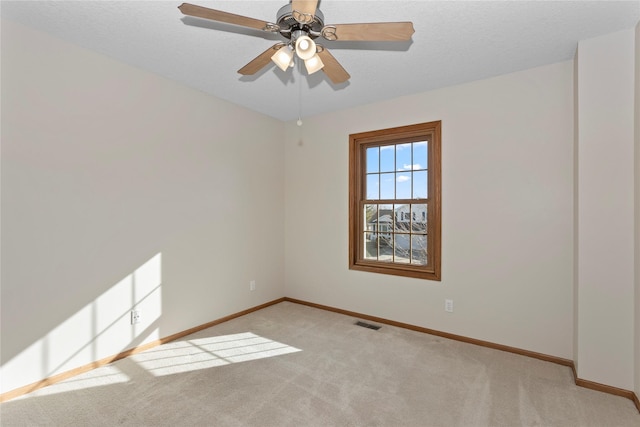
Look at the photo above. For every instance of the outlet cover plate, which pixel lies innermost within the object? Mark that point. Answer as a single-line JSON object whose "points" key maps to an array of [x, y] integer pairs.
{"points": [[135, 317], [448, 305]]}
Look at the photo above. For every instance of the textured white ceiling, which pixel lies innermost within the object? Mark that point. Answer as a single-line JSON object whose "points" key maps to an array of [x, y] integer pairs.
{"points": [[454, 42]]}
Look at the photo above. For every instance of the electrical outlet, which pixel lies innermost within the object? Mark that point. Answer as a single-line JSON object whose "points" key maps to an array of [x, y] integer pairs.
{"points": [[252, 285], [135, 317], [448, 305]]}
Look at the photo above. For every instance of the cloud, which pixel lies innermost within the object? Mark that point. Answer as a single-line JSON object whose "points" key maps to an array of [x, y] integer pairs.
{"points": [[403, 178], [414, 167]]}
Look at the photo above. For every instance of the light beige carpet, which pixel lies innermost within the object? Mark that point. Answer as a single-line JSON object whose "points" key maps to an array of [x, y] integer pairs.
{"points": [[292, 365]]}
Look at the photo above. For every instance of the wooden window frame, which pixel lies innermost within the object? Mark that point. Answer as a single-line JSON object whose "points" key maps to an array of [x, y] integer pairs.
{"points": [[358, 143]]}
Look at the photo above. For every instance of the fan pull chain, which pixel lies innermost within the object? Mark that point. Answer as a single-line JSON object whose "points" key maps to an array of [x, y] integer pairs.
{"points": [[299, 122], [299, 66]]}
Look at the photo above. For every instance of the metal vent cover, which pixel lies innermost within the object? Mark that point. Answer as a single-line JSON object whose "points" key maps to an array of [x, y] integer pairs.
{"points": [[367, 325]]}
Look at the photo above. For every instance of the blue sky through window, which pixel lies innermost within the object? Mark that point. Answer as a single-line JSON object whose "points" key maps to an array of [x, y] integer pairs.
{"points": [[397, 171]]}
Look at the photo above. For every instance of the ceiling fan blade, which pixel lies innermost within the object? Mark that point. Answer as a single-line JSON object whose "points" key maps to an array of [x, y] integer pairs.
{"points": [[260, 61], [376, 32], [304, 11], [220, 16], [332, 67]]}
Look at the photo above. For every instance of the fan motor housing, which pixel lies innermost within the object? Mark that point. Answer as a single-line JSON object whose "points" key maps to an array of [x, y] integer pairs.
{"points": [[288, 24]]}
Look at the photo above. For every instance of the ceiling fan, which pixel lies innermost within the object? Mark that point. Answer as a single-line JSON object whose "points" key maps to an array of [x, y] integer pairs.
{"points": [[300, 23]]}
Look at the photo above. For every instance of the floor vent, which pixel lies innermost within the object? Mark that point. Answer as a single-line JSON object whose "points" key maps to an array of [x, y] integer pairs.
{"points": [[368, 325]]}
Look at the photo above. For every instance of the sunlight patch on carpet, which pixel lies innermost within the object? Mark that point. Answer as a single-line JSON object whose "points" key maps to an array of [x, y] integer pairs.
{"points": [[210, 352], [105, 376]]}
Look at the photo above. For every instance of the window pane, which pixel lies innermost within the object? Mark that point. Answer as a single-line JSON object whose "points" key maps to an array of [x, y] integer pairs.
{"points": [[420, 155], [387, 158], [370, 217], [384, 233], [403, 218], [419, 215], [402, 248], [403, 157], [419, 249], [386, 211], [387, 186], [403, 185], [385, 247], [373, 186], [370, 246], [373, 159], [420, 185]]}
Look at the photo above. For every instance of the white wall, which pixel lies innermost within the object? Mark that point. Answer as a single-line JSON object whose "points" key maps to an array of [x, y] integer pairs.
{"points": [[507, 227], [121, 189], [606, 209]]}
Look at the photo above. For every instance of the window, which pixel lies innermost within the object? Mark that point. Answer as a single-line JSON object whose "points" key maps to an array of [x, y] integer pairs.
{"points": [[394, 201]]}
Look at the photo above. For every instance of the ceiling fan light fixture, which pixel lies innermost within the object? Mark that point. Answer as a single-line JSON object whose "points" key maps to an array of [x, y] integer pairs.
{"points": [[283, 57], [299, 23], [305, 47], [314, 64]]}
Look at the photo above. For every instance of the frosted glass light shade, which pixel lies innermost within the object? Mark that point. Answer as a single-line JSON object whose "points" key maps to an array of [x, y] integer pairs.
{"points": [[314, 64], [283, 57], [305, 47]]}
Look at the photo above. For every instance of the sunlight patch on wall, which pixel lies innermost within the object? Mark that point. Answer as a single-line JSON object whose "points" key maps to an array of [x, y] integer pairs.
{"points": [[100, 329], [203, 353], [147, 297]]}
